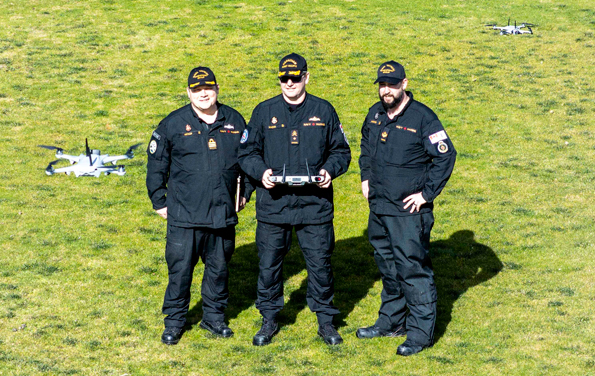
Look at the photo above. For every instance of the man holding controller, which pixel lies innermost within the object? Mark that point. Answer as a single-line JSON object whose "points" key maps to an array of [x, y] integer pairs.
{"points": [[295, 134]]}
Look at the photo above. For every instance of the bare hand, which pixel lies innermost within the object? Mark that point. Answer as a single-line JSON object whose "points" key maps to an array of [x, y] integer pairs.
{"points": [[415, 200], [365, 188], [326, 179], [242, 203], [162, 212], [265, 179]]}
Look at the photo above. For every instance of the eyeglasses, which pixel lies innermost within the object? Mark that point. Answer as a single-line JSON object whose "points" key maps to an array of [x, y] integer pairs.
{"points": [[295, 79]]}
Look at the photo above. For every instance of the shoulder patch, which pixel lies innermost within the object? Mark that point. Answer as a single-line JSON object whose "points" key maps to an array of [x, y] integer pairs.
{"points": [[156, 135], [344, 135], [244, 137], [438, 136], [442, 147], [152, 146]]}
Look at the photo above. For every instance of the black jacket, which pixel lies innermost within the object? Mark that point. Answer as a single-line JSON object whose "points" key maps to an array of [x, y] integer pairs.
{"points": [[408, 154], [192, 168], [277, 137]]}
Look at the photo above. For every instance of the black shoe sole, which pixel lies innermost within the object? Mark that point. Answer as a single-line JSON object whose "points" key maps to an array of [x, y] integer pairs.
{"points": [[261, 342], [169, 343]]}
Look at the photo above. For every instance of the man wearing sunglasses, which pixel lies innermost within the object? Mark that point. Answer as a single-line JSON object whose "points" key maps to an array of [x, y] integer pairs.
{"points": [[297, 134]]}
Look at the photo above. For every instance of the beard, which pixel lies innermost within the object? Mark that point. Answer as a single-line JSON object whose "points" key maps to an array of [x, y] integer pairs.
{"points": [[396, 101]]}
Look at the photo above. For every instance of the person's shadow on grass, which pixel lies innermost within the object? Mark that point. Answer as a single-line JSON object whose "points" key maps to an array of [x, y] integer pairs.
{"points": [[354, 272], [459, 264]]}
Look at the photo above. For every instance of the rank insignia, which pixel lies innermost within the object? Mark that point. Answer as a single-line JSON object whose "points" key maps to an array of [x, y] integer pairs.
{"points": [[294, 137], [384, 134], [442, 147], [212, 144]]}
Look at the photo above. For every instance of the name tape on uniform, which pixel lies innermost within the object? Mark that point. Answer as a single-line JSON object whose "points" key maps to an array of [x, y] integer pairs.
{"points": [[438, 136]]}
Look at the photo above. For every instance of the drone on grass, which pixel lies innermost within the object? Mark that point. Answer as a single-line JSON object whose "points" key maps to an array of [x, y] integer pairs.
{"points": [[513, 29], [92, 163]]}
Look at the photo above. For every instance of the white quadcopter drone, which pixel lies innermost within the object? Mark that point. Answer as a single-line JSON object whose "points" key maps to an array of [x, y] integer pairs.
{"points": [[92, 163], [513, 29]]}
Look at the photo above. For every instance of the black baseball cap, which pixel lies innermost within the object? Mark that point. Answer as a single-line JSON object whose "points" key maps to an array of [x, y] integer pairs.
{"points": [[292, 65], [201, 76], [390, 72]]}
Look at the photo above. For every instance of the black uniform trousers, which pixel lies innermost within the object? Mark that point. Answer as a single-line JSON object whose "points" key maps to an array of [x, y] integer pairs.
{"points": [[401, 246], [317, 243], [183, 249]]}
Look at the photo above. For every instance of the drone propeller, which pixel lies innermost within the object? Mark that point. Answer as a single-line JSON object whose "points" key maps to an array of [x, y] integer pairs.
{"points": [[88, 151], [508, 21], [529, 24], [130, 149], [58, 150], [50, 168]]}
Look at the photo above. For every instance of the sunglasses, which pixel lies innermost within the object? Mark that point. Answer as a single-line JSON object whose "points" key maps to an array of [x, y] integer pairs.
{"points": [[296, 79]]}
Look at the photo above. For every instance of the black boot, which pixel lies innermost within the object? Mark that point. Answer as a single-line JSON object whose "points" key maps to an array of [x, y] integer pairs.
{"points": [[409, 348], [329, 334], [218, 328], [265, 334], [171, 335], [374, 331]]}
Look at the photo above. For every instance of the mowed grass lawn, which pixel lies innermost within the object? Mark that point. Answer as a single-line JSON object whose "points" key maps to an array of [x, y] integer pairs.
{"points": [[82, 269]]}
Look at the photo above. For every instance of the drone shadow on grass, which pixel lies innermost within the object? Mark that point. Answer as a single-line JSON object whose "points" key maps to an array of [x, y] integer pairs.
{"points": [[460, 263]]}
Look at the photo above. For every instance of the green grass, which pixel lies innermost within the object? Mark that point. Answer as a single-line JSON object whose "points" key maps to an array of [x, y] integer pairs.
{"points": [[82, 272]]}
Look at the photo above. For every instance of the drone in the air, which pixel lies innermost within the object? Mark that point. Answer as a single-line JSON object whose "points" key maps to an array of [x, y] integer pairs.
{"points": [[513, 29], [92, 163]]}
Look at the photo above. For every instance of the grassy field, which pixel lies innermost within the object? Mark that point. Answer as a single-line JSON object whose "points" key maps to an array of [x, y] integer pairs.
{"points": [[82, 269]]}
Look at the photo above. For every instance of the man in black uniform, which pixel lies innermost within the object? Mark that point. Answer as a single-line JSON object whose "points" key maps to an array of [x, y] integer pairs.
{"points": [[295, 132], [406, 159], [192, 172]]}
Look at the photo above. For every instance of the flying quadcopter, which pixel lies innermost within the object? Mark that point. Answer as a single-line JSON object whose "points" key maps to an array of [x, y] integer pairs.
{"points": [[513, 29], [92, 163]]}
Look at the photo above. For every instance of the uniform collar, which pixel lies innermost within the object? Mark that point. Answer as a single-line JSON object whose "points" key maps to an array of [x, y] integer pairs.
{"points": [[220, 116], [293, 107]]}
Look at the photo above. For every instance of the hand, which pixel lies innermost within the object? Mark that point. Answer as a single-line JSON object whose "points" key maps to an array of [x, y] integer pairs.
{"points": [[326, 179], [242, 203], [415, 200], [365, 188], [265, 179], [162, 212]]}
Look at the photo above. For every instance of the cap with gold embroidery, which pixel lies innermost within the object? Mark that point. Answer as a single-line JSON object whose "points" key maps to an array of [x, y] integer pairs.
{"points": [[201, 76], [390, 72], [292, 65]]}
